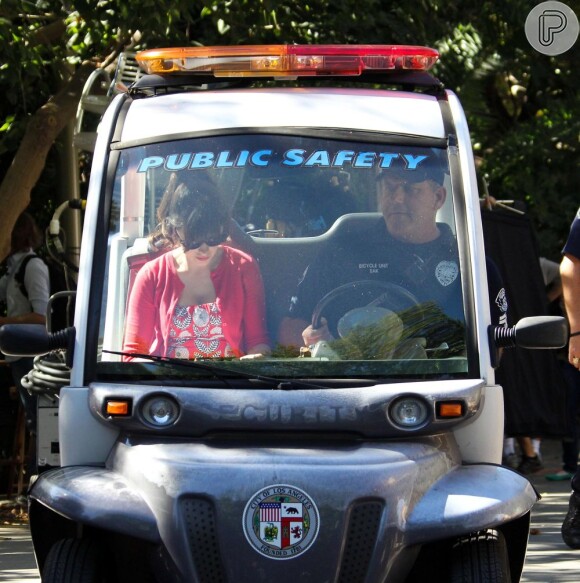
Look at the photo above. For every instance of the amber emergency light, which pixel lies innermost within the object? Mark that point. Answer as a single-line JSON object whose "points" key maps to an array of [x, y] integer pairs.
{"points": [[286, 60]]}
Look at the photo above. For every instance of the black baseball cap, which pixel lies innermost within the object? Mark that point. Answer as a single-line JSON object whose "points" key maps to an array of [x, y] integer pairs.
{"points": [[433, 167]]}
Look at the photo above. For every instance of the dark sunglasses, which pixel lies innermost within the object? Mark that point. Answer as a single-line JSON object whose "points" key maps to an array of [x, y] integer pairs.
{"points": [[209, 241]]}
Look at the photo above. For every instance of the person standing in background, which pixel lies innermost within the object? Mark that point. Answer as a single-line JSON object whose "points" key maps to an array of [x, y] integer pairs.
{"points": [[551, 272], [570, 274], [25, 306]]}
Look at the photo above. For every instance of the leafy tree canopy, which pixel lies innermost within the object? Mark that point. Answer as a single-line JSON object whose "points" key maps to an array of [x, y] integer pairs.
{"points": [[522, 107]]}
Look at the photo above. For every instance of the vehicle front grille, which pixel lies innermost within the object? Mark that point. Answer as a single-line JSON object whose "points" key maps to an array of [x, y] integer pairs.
{"points": [[199, 517], [365, 518]]}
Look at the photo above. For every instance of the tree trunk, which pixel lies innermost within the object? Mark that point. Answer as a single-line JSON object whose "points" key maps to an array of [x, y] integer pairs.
{"points": [[28, 163]]}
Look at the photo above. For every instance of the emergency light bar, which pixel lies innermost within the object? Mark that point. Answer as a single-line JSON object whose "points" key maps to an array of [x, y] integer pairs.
{"points": [[286, 60]]}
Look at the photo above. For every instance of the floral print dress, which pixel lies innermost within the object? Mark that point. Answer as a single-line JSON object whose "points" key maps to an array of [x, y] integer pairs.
{"points": [[196, 332]]}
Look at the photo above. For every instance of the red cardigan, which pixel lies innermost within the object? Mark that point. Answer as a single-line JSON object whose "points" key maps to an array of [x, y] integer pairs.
{"points": [[156, 291]]}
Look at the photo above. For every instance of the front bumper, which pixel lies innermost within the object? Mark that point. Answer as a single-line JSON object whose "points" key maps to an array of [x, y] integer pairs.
{"points": [[348, 504]]}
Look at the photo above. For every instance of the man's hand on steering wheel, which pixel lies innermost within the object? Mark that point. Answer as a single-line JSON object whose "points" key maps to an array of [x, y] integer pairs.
{"points": [[312, 335]]}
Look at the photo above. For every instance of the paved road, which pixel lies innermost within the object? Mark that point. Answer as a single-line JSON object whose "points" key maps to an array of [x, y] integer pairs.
{"points": [[17, 563], [549, 560]]}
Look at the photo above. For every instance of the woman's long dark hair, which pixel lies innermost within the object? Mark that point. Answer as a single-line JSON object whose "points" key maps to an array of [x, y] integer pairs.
{"points": [[191, 209]]}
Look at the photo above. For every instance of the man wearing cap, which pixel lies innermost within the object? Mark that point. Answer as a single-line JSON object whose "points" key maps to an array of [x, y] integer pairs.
{"points": [[407, 247]]}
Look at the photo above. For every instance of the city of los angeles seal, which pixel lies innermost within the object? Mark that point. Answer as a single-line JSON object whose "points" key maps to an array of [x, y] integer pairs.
{"points": [[281, 521]]}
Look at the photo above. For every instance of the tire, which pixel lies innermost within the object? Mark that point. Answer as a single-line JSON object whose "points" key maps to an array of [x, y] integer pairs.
{"points": [[74, 561], [480, 557]]}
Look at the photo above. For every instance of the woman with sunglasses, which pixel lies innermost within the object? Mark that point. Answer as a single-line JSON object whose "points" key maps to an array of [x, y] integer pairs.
{"points": [[201, 298]]}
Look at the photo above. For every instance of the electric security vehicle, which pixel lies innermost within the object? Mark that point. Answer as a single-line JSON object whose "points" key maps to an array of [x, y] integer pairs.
{"points": [[371, 455]]}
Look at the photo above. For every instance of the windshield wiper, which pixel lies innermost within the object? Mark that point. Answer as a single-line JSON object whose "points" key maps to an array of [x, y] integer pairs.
{"points": [[219, 372]]}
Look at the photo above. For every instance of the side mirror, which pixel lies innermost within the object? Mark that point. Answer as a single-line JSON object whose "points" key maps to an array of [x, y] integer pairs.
{"points": [[535, 332], [34, 340]]}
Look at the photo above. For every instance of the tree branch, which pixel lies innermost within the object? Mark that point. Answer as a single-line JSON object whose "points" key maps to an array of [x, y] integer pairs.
{"points": [[46, 35], [42, 130]]}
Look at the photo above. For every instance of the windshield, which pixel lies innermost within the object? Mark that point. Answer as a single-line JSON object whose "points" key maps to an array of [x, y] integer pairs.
{"points": [[282, 255]]}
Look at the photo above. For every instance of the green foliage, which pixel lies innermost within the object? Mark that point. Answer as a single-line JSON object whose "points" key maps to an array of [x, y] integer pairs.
{"points": [[522, 111], [522, 107]]}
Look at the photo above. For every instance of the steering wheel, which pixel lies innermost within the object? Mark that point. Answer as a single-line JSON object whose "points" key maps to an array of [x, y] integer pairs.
{"points": [[372, 301]]}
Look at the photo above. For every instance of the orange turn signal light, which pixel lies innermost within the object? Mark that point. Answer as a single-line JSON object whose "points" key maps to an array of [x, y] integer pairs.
{"points": [[117, 408], [450, 409]]}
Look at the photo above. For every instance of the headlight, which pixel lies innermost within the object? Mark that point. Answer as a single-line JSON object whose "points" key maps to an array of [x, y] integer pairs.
{"points": [[409, 412], [160, 411]]}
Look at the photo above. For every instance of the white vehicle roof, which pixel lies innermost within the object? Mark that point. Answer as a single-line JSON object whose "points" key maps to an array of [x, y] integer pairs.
{"points": [[367, 110]]}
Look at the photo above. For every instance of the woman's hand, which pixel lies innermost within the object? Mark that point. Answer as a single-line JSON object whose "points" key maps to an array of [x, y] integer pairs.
{"points": [[258, 351]]}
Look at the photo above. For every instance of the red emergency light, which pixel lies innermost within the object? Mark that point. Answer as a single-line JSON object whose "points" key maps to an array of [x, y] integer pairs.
{"points": [[286, 60]]}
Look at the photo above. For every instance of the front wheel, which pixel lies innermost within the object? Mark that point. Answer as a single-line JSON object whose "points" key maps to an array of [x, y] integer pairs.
{"points": [[74, 561], [480, 557]]}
